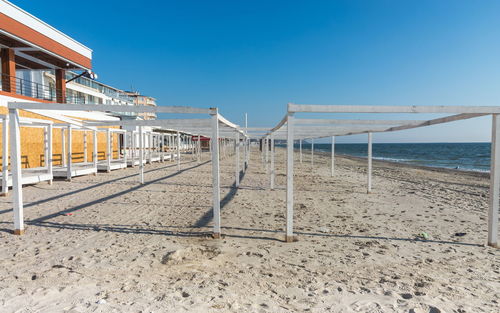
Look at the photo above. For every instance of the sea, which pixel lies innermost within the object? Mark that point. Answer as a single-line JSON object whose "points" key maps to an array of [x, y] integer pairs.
{"points": [[462, 156]]}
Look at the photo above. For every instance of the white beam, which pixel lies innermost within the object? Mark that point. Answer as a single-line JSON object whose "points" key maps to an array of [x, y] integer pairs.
{"points": [[454, 109], [304, 121], [107, 108]]}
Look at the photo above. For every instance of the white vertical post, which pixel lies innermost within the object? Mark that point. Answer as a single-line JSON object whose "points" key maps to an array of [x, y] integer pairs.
{"points": [[178, 151], [108, 150], [132, 147], [333, 156], [15, 158], [273, 174], [49, 156], [95, 155], [70, 152], [494, 182], [289, 180], [125, 147], [191, 143], [300, 150], [150, 155], [199, 148], [369, 162], [45, 146], [63, 148], [214, 141], [158, 147], [85, 159], [172, 152], [237, 158], [267, 154], [245, 145], [5, 156], [162, 147], [312, 151], [262, 147], [141, 155]]}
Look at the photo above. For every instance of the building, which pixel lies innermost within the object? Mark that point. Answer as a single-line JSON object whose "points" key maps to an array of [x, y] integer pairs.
{"points": [[37, 60], [143, 100]]}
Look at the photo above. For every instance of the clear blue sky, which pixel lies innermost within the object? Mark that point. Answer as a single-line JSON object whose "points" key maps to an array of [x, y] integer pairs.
{"points": [[255, 56]]}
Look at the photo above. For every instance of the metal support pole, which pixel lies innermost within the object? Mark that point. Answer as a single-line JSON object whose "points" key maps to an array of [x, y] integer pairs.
{"points": [[15, 158], [494, 182], [369, 162], [215, 173]]}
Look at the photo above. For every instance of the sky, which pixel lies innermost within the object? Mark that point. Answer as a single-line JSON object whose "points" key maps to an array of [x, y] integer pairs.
{"points": [[256, 56]]}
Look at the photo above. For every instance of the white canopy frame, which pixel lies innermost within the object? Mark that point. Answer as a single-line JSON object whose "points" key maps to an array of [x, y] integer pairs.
{"points": [[217, 127], [68, 168], [110, 163], [293, 128], [29, 175]]}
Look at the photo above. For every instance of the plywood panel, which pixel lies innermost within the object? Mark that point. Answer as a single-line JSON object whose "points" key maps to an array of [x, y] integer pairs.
{"points": [[32, 145]]}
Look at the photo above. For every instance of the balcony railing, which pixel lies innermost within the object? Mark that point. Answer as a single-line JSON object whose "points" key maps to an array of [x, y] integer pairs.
{"points": [[23, 87], [27, 88]]}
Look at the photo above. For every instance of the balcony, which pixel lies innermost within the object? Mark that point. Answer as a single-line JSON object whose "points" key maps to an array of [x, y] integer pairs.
{"points": [[47, 92], [23, 87]]}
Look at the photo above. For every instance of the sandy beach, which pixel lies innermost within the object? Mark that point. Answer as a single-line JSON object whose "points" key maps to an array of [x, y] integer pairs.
{"points": [[107, 244]]}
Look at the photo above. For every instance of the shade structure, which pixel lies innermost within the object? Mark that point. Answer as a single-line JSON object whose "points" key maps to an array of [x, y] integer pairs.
{"points": [[291, 128], [214, 127]]}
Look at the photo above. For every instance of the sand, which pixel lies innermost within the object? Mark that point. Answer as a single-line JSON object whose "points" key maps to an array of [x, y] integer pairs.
{"points": [[107, 244]]}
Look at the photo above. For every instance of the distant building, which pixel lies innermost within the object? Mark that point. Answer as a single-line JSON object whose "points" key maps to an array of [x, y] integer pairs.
{"points": [[143, 100]]}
